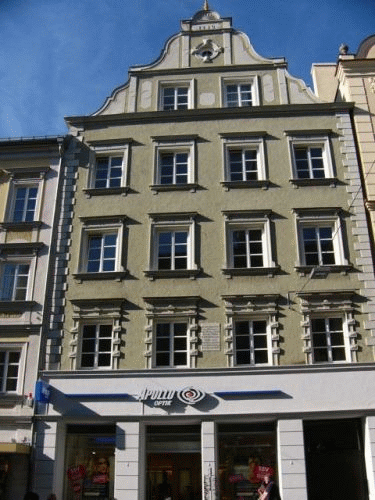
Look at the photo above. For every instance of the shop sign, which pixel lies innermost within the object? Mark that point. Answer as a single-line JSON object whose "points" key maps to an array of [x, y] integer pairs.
{"points": [[42, 392], [165, 397]]}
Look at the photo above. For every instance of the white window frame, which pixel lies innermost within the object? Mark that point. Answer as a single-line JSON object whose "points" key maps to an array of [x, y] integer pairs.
{"points": [[162, 223], [252, 308], [172, 351], [108, 151], [96, 352], [325, 305], [16, 347], [174, 147], [245, 221], [21, 183], [328, 348], [250, 80], [244, 144], [19, 261], [311, 141], [252, 349], [188, 84], [314, 219], [97, 228], [172, 310]]}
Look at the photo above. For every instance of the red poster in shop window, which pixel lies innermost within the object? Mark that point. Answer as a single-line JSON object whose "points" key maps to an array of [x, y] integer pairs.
{"points": [[76, 475], [262, 470]]}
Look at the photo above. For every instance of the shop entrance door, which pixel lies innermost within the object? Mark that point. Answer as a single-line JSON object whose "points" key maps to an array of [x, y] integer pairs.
{"points": [[334, 460], [177, 475]]}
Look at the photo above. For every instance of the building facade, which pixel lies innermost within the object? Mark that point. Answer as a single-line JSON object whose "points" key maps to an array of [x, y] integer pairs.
{"points": [[215, 263], [352, 79], [30, 173]]}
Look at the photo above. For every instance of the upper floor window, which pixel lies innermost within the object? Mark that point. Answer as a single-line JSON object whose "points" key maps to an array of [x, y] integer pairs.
{"points": [[10, 361], [101, 248], [244, 161], [14, 281], [240, 92], [108, 172], [174, 163], [320, 240], [175, 97], [252, 342], [249, 248], [252, 336], [96, 346], [101, 255], [25, 199], [311, 159], [238, 95], [327, 339], [171, 345], [329, 326], [172, 246], [171, 332]]}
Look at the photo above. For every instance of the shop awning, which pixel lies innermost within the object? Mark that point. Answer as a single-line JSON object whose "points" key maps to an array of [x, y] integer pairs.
{"points": [[19, 448]]}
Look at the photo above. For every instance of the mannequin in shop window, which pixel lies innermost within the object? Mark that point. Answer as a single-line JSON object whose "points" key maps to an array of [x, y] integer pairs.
{"points": [[268, 489], [164, 489]]}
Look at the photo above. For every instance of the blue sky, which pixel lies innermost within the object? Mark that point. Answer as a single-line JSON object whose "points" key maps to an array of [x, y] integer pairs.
{"points": [[64, 57]]}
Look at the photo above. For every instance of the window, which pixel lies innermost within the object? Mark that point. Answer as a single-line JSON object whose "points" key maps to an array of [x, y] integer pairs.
{"points": [[171, 345], [96, 346], [101, 248], [239, 93], [101, 252], [249, 243], [244, 162], [252, 342], [329, 326], [10, 360], [175, 97], [327, 338], [108, 172], [172, 246], [25, 199], [174, 163], [320, 240], [14, 281], [311, 159], [171, 332], [252, 336], [96, 333]]}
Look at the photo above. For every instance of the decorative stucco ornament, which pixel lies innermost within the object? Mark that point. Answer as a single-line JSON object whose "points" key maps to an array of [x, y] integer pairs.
{"points": [[207, 50], [372, 84]]}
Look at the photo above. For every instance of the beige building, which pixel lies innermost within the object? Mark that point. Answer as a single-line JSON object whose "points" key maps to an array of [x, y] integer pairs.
{"points": [[216, 260], [352, 79], [29, 178]]}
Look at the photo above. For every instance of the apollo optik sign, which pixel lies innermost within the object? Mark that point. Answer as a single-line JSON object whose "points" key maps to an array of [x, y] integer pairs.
{"points": [[165, 397]]}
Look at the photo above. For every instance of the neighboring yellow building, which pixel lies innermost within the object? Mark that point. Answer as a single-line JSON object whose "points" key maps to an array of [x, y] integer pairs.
{"points": [[210, 318]]}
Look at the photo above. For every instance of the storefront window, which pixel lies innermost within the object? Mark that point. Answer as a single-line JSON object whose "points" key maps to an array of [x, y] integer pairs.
{"points": [[246, 454], [90, 451], [174, 462]]}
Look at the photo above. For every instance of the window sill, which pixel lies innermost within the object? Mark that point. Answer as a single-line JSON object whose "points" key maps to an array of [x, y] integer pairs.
{"points": [[10, 399], [111, 275], [21, 226], [17, 306], [251, 271], [175, 273], [322, 271], [174, 187], [265, 184], [21, 248], [328, 181], [124, 190]]}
